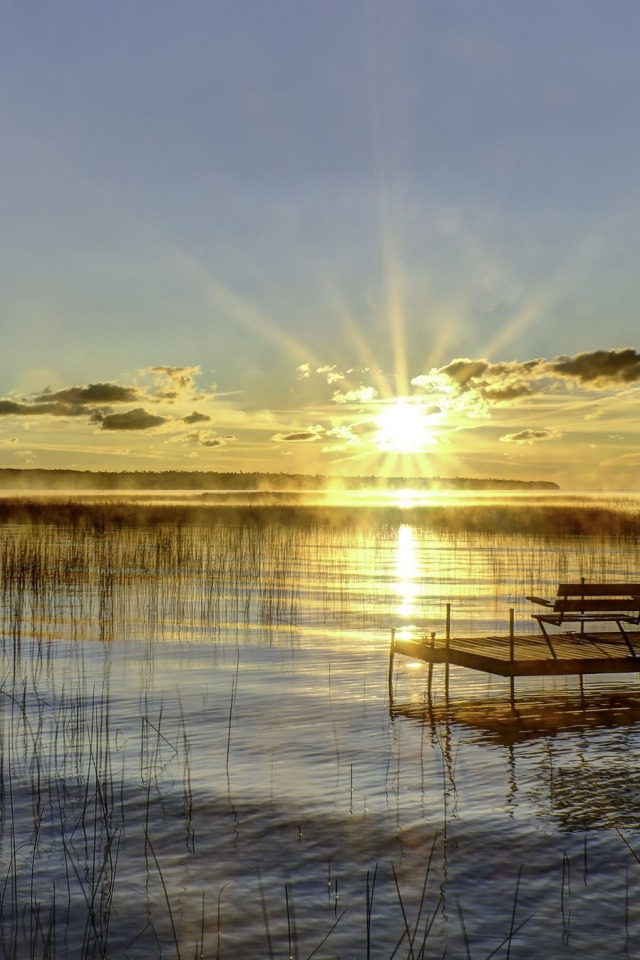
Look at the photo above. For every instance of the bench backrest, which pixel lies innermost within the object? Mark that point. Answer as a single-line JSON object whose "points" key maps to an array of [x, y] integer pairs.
{"points": [[597, 597]]}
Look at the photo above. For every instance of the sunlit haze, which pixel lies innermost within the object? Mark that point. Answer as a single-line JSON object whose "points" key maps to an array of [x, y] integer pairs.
{"points": [[373, 238]]}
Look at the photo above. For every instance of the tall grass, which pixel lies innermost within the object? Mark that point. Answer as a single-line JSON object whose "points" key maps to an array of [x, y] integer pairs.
{"points": [[71, 578]]}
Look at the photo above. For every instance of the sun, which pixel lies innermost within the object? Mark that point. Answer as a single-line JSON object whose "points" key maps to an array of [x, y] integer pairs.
{"points": [[405, 426]]}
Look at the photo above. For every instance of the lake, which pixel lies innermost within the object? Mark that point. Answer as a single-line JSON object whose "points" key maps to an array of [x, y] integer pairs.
{"points": [[199, 756]]}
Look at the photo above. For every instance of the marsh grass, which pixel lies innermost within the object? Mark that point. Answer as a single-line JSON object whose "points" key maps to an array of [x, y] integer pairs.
{"points": [[73, 578], [69, 567], [90, 804], [573, 516]]}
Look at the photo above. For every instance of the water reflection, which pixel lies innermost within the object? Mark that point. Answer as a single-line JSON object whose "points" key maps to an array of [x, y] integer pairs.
{"points": [[407, 572], [503, 721], [572, 759]]}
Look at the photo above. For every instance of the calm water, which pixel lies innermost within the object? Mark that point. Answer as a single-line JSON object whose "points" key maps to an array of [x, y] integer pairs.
{"points": [[199, 757]]}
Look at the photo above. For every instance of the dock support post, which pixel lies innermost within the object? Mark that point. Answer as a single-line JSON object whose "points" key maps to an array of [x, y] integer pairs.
{"points": [[447, 636], [430, 671], [512, 681], [390, 676]]}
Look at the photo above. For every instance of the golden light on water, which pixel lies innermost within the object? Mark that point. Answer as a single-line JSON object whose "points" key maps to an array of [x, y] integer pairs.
{"points": [[407, 572]]}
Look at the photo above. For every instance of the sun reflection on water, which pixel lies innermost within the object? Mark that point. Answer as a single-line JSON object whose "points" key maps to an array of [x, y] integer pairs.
{"points": [[407, 571]]}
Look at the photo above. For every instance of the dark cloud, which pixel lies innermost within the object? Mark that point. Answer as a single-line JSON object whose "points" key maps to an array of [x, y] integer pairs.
{"points": [[298, 436], [137, 419], [602, 367], [507, 382], [71, 402], [479, 384], [10, 408], [529, 436], [94, 393], [507, 392], [463, 371], [217, 441], [513, 376], [196, 417]]}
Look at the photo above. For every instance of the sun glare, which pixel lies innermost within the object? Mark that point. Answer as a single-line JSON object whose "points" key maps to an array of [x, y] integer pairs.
{"points": [[407, 572], [404, 427]]}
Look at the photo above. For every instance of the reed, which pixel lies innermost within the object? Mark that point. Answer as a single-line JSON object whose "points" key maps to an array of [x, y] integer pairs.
{"points": [[537, 517]]}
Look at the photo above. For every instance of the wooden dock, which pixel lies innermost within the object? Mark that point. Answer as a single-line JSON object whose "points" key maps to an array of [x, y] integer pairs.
{"points": [[528, 655]]}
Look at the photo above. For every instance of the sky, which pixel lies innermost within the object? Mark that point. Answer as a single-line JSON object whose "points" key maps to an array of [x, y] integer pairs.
{"points": [[341, 237]]}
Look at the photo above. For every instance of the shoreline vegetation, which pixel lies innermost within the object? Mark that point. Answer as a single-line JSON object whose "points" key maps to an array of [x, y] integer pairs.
{"points": [[533, 519], [24, 479]]}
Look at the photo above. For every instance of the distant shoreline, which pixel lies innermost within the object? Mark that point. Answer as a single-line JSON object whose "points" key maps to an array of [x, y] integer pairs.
{"points": [[38, 479]]}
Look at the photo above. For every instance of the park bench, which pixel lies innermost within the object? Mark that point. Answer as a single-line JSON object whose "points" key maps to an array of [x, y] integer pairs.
{"points": [[586, 603]]}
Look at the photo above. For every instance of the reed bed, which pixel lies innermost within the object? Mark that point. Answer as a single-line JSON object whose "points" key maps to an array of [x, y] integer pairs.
{"points": [[536, 516], [59, 578], [69, 567]]}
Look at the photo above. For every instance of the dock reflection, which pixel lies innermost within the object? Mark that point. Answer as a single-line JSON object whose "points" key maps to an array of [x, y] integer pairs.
{"points": [[503, 721], [571, 759]]}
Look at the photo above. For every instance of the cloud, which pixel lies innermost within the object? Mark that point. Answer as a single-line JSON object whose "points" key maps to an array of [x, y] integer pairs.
{"points": [[196, 417], [478, 385], [137, 419], [481, 384], [173, 382], [205, 438], [530, 436], [358, 395], [464, 374], [11, 408], [507, 392], [600, 367], [70, 402], [349, 432], [462, 371], [299, 436], [95, 393], [332, 373], [183, 377]]}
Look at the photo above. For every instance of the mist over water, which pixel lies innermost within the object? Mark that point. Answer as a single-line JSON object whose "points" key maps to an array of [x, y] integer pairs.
{"points": [[199, 757]]}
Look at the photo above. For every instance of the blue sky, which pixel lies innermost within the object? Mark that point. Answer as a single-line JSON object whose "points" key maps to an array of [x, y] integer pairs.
{"points": [[275, 225]]}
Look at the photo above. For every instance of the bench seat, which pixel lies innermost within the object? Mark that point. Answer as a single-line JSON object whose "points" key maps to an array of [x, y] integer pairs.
{"points": [[586, 603]]}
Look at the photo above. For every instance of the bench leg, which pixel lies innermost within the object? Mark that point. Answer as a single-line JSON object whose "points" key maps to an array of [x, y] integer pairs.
{"points": [[626, 639], [548, 639]]}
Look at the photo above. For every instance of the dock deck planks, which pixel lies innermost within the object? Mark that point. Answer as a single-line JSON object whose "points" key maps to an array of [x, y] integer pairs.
{"points": [[576, 653]]}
